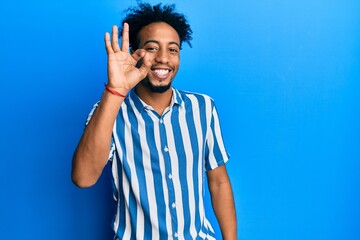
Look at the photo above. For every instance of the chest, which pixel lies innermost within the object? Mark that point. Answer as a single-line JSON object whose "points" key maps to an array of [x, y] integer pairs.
{"points": [[162, 145]]}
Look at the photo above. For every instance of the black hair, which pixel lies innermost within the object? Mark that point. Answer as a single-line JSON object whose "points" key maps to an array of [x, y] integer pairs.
{"points": [[145, 14]]}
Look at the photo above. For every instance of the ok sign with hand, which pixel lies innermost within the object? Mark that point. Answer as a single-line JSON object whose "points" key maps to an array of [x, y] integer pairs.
{"points": [[123, 72]]}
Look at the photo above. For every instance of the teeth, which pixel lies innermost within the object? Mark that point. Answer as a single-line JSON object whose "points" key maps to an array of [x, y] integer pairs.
{"points": [[161, 71]]}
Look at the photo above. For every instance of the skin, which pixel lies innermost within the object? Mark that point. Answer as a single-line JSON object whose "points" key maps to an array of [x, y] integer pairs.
{"points": [[159, 52], [162, 44]]}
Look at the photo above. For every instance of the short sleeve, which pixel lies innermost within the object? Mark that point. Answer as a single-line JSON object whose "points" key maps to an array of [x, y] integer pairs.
{"points": [[112, 144], [215, 151]]}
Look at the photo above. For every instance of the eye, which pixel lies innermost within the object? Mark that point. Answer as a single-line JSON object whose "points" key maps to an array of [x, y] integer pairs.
{"points": [[173, 50], [151, 49]]}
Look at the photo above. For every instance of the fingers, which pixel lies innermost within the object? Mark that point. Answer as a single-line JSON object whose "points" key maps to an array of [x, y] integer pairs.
{"points": [[144, 64], [108, 44], [115, 39], [113, 45], [125, 38], [138, 54]]}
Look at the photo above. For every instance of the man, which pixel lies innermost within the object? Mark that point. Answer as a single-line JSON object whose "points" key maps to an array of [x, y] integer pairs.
{"points": [[162, 140]]}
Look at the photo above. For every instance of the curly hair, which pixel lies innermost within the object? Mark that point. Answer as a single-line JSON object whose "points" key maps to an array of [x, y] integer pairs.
{"points": [[145, 14]]}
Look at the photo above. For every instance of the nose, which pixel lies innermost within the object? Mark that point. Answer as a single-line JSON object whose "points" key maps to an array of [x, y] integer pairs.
{"points": [[162, 56]]}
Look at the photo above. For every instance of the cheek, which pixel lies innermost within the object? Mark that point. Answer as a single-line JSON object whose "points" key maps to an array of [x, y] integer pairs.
{"points": [[176, 61], [152, 56]]}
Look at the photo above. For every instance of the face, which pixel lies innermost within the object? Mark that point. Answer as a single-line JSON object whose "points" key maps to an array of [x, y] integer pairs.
{"points": [[162, 43]]}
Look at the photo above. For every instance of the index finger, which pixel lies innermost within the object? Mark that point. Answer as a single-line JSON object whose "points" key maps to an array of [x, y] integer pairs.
{"points": [[125, 38]]}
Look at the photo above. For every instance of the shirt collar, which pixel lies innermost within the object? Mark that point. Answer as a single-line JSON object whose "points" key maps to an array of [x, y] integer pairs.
{"points": [[176, 99]]}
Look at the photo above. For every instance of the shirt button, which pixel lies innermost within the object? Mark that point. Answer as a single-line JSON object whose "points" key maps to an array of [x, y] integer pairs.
{"points": [[170, 176], [176, 234], [173, 205], [166, 149]]}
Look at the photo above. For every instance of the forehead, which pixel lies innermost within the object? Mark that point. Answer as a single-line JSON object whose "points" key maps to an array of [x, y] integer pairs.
{"points": [[159, 31]]}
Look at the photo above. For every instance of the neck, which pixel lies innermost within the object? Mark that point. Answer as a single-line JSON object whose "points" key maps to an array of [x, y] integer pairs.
{"points": [[158, 101]]}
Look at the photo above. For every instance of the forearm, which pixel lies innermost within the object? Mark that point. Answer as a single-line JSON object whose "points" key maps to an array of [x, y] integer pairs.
{"points": [[224, 208], [92, 152]]}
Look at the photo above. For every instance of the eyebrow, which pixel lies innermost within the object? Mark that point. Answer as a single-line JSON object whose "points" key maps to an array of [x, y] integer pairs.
{"points": [[157, 42]]}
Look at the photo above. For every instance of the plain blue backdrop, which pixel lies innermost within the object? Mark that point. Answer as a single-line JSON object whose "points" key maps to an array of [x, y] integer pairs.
{"points": [[284, 74]]}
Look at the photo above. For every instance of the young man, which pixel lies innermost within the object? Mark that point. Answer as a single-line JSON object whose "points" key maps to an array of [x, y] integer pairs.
{"points": [[162, 140]]}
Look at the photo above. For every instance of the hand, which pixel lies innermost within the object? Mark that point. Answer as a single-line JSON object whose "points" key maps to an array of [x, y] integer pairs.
{"points": [[123, 74]]}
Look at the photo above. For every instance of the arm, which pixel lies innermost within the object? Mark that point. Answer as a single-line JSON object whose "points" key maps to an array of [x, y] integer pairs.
{"points": [[223, 201], [92, 152]]}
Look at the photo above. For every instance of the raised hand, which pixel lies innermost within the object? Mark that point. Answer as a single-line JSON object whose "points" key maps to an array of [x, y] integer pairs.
{"points": [[122, 71]]}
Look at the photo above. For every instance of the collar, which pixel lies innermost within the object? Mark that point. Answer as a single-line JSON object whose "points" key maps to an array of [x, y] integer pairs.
{"points": [[140, 105]]}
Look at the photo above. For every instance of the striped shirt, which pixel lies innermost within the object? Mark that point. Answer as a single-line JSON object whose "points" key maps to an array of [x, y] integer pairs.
{"points": [[159, 165]]}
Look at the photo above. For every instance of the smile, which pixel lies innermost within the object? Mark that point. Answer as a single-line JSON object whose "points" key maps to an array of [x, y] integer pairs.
{"points": [[161, 73]]}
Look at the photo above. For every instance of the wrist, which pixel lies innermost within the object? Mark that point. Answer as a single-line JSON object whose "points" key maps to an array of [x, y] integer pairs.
{"points": [[121, 92]]}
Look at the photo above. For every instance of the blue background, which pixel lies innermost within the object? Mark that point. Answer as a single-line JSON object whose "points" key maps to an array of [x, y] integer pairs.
{"points": [[284, 74]]}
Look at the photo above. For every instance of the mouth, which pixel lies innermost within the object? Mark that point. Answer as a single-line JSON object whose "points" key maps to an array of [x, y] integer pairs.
{"points": [[161, 72]]}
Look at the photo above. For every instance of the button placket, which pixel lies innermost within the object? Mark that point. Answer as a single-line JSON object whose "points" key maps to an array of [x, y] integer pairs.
{"points": [[165, 151]]}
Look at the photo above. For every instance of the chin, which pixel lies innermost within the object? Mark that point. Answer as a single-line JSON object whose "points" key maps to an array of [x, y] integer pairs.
{"points": [[156, 88]]}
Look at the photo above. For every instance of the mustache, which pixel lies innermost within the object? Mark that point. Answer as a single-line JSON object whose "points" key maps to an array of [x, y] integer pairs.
{"points": [[162, 66], [165, 66]]}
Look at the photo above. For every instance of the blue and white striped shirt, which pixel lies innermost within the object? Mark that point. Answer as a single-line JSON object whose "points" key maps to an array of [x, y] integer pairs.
{"points": [[159, 165]]}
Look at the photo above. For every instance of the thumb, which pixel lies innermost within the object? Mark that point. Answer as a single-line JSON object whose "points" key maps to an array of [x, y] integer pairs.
{"points": [[144, 65]]}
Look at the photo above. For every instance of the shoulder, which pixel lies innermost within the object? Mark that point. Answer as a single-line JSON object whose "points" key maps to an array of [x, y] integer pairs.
{"points": [[193, 97]]}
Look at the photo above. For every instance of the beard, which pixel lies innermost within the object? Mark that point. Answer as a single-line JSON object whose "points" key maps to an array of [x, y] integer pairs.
{"points": [[155, 89]]}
